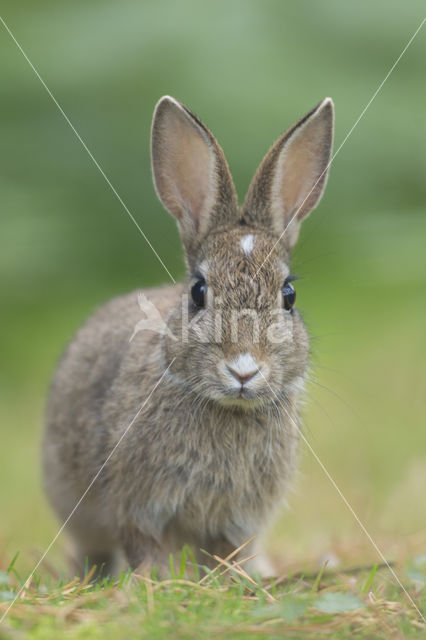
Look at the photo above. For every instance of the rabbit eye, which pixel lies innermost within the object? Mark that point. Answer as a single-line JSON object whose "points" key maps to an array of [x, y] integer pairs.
{"points": [[289, 296], [198, 292]]}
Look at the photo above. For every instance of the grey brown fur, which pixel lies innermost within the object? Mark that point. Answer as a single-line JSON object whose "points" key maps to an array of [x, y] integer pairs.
{"points": [[202, 464]]}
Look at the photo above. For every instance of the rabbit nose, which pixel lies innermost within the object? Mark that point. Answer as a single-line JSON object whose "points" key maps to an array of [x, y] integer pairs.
{"points": [[243, 367], [242, 377]]}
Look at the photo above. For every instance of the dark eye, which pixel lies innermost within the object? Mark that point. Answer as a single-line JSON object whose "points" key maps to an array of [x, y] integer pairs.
{"points": [[289, 296], [198, 293]]}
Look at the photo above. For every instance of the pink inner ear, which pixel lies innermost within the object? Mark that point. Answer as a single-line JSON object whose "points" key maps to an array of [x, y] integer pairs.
{"points": [[299, 168], [187, 167]]}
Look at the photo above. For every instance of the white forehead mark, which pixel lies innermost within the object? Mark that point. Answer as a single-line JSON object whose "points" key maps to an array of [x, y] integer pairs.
{"points": [[247, 243]]}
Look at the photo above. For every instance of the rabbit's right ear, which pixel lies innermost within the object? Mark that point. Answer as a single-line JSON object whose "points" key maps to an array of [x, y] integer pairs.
{"points": [[190, 172]]}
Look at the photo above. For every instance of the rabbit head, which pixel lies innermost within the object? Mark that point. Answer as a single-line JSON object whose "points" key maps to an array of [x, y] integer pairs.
{"points": [[238, 338]]}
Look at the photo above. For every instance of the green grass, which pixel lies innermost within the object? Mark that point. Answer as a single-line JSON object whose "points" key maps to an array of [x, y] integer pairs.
{"points": [[226, 602]]}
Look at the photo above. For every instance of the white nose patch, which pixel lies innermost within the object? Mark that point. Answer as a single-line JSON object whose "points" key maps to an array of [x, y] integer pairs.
{"points": [[244, 364], [247, 243]]}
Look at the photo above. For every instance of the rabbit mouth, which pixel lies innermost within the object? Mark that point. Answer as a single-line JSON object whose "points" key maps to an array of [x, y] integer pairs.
{"points": [[243, 397], [240, 401]]}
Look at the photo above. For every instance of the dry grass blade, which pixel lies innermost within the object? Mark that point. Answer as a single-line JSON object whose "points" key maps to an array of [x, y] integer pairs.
{"points": [[237, 568], [228, 557]]}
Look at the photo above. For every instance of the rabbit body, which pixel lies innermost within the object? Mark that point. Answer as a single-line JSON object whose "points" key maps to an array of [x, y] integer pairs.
{"points": [[191, 434]]}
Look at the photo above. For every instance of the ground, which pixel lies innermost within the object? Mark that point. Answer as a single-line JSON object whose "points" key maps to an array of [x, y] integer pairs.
{"points": [[355, 603]]}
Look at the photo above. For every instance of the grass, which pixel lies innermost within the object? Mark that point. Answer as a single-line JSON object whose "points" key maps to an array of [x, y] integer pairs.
{"points": [[225, 602]]}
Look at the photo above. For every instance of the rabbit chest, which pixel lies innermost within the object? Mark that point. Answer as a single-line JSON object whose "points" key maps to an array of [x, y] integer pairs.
{"points": [[204, 473]]}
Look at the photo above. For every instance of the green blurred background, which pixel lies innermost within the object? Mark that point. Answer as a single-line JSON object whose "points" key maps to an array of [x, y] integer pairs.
{"points": [[249, 69]]}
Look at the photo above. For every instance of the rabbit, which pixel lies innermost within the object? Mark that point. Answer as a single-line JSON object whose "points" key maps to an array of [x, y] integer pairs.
{"points": [[198, 419]]}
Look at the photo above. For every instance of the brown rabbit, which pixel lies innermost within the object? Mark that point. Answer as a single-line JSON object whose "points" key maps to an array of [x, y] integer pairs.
{"points": [[210, 399]]}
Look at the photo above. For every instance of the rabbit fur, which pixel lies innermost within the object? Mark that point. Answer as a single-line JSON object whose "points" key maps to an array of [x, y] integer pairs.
{"points": [[211, 451]]}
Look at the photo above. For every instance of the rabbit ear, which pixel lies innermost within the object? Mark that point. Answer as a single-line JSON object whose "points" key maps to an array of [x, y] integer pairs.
{"points": [[291, 178], [190, 172]]}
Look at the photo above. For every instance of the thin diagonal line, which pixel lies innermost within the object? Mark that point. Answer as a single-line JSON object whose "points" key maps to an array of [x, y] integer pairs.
{"points": [[345, 139], [85, 493], [347, 503], [86, 148]]}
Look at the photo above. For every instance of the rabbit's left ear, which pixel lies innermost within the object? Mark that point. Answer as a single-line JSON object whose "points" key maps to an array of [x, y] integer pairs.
{"points": [[291, 178], [191, 175]]}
